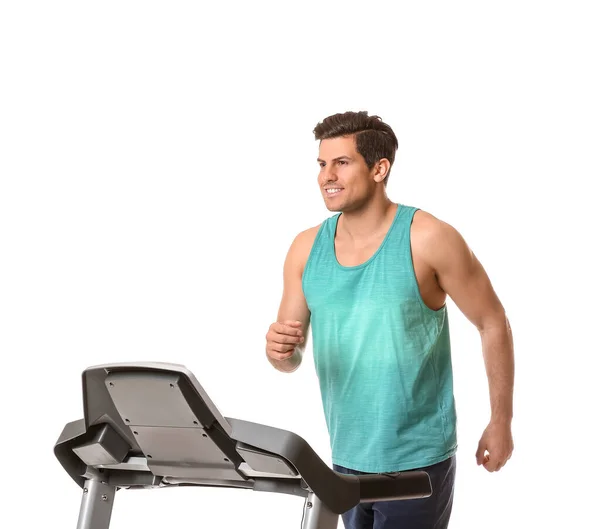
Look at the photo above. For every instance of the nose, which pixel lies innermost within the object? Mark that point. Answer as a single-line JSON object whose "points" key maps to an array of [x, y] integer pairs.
{"points": [[328, 174]]}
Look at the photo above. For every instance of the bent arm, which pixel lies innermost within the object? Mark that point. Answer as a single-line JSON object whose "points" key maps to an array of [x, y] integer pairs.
{"points": [[463, 278], [293, 305]]}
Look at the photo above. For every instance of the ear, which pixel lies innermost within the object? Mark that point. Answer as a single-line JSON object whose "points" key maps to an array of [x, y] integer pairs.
{"points": [[381, 168]]}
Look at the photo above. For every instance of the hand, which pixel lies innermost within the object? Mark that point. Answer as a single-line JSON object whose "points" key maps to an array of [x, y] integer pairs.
{"points": [[498, 443], [282, 339]]}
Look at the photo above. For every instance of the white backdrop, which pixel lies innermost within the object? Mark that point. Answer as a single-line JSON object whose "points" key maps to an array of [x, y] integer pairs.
{"points": [[157, 160]]}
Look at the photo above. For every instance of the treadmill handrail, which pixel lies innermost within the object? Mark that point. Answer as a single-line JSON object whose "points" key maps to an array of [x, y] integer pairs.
{"points": [[339, 492]]}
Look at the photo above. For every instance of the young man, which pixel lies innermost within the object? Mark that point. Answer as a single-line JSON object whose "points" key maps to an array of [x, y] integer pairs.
{"points": [[372, 282]]}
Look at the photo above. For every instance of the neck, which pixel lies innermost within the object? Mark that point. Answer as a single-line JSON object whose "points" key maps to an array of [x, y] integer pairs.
{"points": [[367, 220]]}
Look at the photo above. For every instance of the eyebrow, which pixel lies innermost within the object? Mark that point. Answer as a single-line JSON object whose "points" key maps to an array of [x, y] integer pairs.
{"points": [[336, 159]]}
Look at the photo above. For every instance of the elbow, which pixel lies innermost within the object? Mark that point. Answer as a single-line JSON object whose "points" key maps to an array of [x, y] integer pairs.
{"points": [[497, 322]]}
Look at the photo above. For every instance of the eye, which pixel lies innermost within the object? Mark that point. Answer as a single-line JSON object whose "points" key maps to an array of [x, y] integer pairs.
{"points": [[342, 162]]}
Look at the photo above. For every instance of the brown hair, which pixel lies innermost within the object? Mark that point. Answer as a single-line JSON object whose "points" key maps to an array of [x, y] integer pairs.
{"points": [[374, 139]]}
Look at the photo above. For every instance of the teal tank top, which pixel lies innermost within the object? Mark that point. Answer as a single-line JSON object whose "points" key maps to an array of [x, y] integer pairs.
{"points": [[382, 357]]}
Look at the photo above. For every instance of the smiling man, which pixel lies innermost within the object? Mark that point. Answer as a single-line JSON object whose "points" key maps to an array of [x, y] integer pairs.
{"points": [[372, 282]]}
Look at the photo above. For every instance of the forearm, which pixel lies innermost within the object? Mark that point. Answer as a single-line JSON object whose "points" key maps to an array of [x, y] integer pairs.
{"points": [[289, 365], [498, 354]]}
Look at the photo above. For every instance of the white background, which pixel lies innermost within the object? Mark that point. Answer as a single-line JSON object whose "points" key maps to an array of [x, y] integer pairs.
{"points": [[157, 160]]}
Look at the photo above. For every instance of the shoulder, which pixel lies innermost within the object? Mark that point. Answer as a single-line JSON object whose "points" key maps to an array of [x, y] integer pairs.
{"points": [[301, 247], [307, 237], [426, 225], [435, 240]]}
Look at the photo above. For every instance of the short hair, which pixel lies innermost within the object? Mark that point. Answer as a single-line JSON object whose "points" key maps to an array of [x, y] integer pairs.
{"points": [[374, 139]]}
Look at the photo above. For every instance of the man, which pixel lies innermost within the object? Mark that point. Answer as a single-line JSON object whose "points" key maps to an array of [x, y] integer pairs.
{"points": [[372, 282]]}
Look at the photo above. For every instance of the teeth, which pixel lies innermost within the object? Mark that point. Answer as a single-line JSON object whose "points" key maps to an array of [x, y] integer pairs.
{"points": [[330, 191]]}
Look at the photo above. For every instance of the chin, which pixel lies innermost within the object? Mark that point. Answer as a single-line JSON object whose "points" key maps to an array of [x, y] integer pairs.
{"points": [[332, 208]]}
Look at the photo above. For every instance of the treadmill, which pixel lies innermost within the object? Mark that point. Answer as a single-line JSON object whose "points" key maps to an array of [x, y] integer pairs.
{"points": [[151, 425]]}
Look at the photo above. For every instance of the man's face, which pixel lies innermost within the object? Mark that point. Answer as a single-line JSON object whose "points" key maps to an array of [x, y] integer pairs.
{"points": [[344, 178]]}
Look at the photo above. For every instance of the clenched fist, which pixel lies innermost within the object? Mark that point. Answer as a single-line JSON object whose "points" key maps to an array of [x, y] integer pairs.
{"points": [[283, 338]]}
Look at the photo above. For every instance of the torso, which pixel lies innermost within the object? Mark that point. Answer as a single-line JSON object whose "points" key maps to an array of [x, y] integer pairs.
{"points": [[349, 254]]}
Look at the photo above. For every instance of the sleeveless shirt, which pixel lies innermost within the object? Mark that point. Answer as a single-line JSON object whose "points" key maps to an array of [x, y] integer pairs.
{"points": [[382, 357]]}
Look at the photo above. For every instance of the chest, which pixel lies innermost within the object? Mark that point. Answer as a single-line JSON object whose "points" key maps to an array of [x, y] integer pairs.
{"points": [[364, 274], [350, 253]]}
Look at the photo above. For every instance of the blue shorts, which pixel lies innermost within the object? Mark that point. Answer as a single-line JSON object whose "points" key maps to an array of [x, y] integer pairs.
{"points": [[423, 513]]}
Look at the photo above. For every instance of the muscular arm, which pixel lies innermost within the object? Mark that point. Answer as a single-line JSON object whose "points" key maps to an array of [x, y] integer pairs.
{"points": [[461, 275], [293, 307]]}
